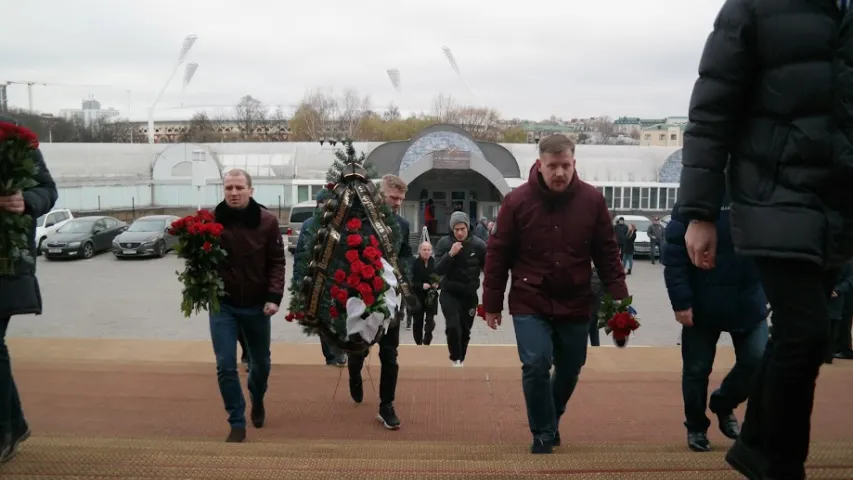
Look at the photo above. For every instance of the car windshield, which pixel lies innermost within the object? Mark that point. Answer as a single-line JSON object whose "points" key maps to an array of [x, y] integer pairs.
{"points": [[40, 220], [77, 226], [642, 225], [148, 226], [299, 215]]}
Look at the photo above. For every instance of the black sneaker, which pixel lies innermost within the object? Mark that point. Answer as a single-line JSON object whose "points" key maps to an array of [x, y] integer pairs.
{"points": [[557, 440], [237, 435], [8, 448], [356, 389], [729, 425], [698, 442], [540, 447], [259, 414], [388, 417]]}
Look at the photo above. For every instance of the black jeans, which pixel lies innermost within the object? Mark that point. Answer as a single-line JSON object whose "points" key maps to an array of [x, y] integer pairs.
{"points": [[424, 322], [333, 354], [698, 349], [389, 369], [459, 311], [654, 245], [594, 333], [777, 424], [11, 415]]}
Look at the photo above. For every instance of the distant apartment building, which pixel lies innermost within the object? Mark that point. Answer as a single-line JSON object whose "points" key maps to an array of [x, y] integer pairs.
{"points": [[662, 135], [89, 112]]}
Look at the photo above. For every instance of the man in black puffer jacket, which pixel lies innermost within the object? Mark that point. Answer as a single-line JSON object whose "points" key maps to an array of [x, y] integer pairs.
{"points": [[460, 258], [773, 111]]}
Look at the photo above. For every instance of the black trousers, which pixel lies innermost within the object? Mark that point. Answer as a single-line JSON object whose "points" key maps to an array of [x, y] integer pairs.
{"points": [[842, 336], [12, 423], [424, 320], [244, 357], [389, 368], [777, 423], [459, 311]]}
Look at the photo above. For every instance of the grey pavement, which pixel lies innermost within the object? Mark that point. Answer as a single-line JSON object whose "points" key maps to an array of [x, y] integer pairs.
{"points": [[140, 298]]}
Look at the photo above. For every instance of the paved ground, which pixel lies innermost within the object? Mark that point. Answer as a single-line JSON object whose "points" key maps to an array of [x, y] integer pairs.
{"points": [[107, 298], [159, 419]]}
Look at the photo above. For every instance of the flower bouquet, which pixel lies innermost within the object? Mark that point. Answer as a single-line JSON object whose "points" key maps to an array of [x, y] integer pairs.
{"points": [[198, 244], [618, 318], [431, 300], [17, 172]]}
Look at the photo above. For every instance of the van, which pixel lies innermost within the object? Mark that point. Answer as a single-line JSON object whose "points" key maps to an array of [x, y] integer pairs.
{"points": [[298, 214], [47, 224]]}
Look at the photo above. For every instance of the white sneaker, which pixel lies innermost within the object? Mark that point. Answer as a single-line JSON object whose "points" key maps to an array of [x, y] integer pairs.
{"points": [[457, 364]]}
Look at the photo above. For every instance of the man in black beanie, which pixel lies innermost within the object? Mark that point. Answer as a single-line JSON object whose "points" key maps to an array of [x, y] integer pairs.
{"points": [[460, 258]]}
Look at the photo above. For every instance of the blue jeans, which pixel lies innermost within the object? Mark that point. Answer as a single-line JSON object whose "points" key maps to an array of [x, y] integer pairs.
{"points": [[542, 343], [698, 349], [11, 415], [627, 261], [333, 354], [224, 329]]}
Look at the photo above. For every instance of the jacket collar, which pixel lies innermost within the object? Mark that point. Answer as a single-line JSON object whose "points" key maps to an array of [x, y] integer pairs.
{"points": [[537, 183], [249, 216]]}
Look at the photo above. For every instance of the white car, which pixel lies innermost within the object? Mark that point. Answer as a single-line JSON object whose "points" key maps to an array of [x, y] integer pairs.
{"points": [[642, 246], [47, 224]]}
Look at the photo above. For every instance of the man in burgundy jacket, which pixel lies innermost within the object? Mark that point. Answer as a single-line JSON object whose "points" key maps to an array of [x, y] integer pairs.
{"points": [[549, 230]]}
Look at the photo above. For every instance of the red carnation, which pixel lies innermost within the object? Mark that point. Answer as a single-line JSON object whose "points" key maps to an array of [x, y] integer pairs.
{"points": [[333, 311], [334, 291], [368, 272], [207, 246], [300, 315], [354, 224], [339, 276], [372, 253], [341, 296], [289, 317], [481, 311], [352, 256], [364, 289], [368, 299], [330, 186], [354, 240], [353, 280], [378, 284], [358, 267], [373, 241]]}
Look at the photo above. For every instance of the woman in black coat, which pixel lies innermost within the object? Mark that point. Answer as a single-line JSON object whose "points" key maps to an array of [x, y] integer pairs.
{"points": [[426, 288], [628, 249]]}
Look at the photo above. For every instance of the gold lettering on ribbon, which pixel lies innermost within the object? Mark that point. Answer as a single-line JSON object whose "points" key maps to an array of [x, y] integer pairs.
{"points": [[329, 249]]}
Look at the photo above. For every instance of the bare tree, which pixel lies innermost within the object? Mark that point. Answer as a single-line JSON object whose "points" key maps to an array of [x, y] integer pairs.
{"points": [[200, 130], [278, 126], [353, 108], [391, 114], [606, 129], [444, 109], [249, 114], [481, 122], [314, 117]]}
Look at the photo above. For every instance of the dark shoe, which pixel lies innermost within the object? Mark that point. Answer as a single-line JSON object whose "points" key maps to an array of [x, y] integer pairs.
{"points": [[729, 425], [540, 447], [698, 442], [388, 417], [237, 435], [259, 414], [557, 440], [844, 355], [8, 448], [629, 271], [746, 461], [341, 361], [356, 389]]}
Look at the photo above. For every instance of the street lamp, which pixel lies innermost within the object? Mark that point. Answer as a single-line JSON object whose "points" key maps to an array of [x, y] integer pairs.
{"points": [[185, 49]]}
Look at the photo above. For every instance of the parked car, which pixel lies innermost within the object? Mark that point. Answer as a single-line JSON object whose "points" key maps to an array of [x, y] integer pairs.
{"points": [[665, 220], [82, 237], [146, 237], [642, 246], [284, 237], [47, 224], [298, 214]]}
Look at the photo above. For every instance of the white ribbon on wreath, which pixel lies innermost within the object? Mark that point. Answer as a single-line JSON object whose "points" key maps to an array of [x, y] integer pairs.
{"points": [[369, 327]]}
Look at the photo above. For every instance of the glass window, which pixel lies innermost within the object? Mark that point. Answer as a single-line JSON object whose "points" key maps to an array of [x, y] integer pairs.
{"points": [[644, 198], [671, 194], [653, 198], [300, 214], [78, 225], [635, 197], [52, 219], [147, 225], [608, 197], [302, 194], [110, 223], [315, 189], [662, 198]]}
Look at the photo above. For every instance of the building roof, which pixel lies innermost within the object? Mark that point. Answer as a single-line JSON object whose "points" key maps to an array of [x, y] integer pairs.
{"points": [[116, 163]]}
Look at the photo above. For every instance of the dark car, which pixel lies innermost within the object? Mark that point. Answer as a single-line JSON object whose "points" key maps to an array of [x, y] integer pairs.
{"points": [[146, 237], [82, 237]]}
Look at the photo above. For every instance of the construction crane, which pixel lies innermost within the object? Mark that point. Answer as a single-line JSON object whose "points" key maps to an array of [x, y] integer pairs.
{"points": [[30, 84]]}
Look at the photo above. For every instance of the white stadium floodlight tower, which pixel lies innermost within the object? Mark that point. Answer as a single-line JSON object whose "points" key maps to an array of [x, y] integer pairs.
{"points": [[188, 43]]}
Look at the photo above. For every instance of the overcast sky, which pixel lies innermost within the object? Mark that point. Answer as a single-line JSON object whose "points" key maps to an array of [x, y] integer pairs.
{"points": [[526, 59]]}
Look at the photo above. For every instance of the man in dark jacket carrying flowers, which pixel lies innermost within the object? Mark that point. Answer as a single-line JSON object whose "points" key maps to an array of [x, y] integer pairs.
{"points": [[727, 298], [20, 295]]}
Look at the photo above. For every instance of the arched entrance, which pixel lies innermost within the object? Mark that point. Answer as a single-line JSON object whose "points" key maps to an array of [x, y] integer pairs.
{"points": [[465, 190]]}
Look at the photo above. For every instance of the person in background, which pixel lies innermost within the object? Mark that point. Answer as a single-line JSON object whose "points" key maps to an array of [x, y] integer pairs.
{"points": [[460, 258], [727, 298], [843, 287], [429, 217], [621, 230], [597, 296], [548, 231], [20, 295], [628, 248], [481, 230], [244, 356], [426, 288], [254, 276], [655, 233], [843, 341], [333, 355]]}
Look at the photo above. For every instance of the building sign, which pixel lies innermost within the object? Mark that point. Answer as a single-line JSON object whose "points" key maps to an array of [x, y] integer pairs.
{"points": [[451, 160]]}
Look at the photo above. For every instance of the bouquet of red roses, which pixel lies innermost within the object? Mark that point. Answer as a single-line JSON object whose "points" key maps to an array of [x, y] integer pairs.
{"points": [[198, 244], [618, 318], [17, 172]]}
